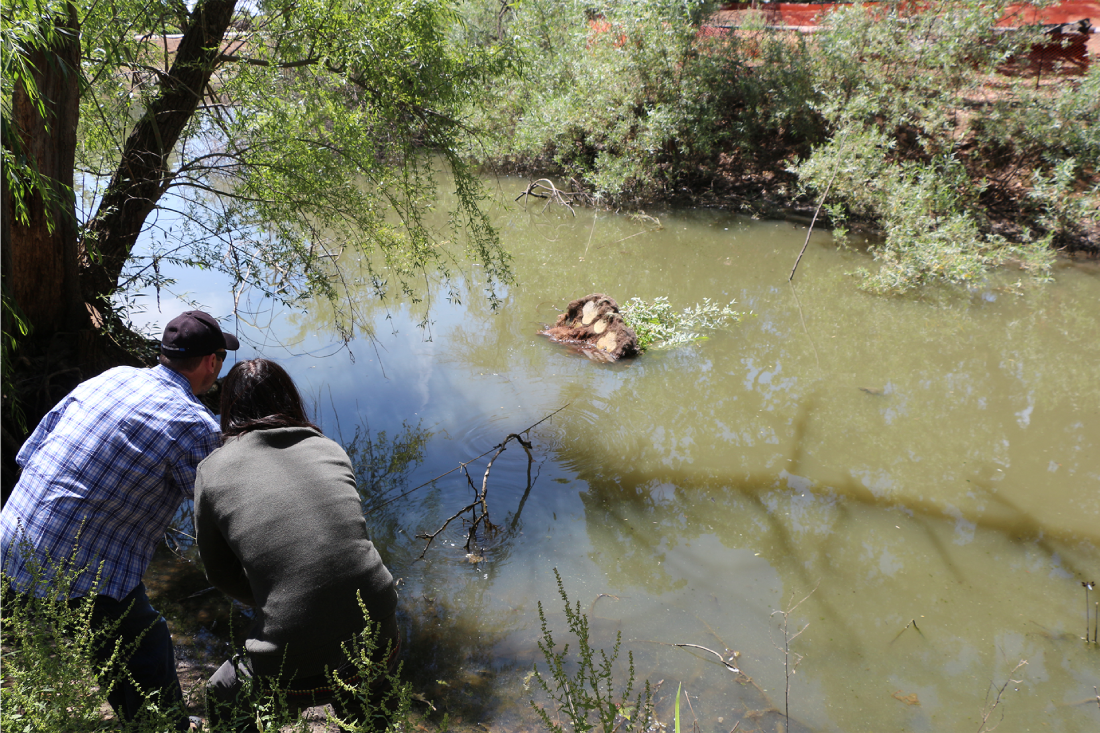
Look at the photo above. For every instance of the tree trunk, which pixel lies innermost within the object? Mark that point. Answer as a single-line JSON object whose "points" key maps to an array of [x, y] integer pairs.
{"points": [[143, 175], [40, 259]]}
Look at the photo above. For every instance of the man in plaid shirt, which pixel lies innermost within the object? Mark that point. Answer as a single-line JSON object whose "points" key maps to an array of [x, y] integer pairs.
{"points": [[103, 474]]}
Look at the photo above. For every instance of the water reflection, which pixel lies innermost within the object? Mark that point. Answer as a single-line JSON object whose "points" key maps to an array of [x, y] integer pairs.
{"points": [[928, 467]]}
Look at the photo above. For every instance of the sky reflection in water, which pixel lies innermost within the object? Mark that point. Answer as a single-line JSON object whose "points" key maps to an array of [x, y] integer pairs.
{"points": [[925, 469]]}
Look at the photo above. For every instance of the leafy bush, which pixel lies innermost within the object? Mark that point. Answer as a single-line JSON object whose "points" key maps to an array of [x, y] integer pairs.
{"points": [[927, 148], [932, 232], [656, 324], [52, 679], [930, 127], [626, 96]]}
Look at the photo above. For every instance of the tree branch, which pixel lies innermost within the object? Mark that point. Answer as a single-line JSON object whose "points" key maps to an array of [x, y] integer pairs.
{"points": [[230, 58], [481, 496], [142, 175]]}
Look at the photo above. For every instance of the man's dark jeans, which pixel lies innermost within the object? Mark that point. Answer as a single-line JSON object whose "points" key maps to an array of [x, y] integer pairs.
{"points": [[152, 664]]}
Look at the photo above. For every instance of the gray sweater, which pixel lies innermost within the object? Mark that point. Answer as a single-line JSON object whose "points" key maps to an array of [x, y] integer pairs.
{"points": [[280, 528]]}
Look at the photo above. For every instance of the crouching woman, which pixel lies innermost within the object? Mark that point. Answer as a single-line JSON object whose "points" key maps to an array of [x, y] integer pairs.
{"points": [[280, 528]]}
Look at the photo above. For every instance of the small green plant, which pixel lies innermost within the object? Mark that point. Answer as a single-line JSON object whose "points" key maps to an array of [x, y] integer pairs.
{"points": [[53, 678], [676, 712], [385, 700], [584, 690], [54, 681], [657, 325], [374, 700]]}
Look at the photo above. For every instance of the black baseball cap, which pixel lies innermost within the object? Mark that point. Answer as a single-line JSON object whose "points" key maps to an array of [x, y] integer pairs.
{"points": [[194, 333]]}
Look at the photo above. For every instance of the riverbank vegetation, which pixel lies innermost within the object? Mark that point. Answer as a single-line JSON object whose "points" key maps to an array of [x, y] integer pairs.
{"points": [[657, 324], [933, 130], [259, 140], [59, 670]]}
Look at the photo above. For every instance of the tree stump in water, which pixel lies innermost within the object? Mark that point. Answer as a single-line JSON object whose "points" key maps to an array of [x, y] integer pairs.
{"points": [[593, 324]]}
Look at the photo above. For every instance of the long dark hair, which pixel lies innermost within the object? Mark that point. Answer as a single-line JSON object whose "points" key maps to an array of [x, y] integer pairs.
{"points": [[258, 394]]}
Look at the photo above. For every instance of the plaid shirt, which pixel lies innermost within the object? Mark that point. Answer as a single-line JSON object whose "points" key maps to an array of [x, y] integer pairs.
{"points": [[108, 466]]}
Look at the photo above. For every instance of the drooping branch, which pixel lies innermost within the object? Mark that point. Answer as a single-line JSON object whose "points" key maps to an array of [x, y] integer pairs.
{"points": [[231, 58], [142, 175]]}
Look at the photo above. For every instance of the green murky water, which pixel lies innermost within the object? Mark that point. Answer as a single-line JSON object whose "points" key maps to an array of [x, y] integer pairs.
{"points": [[917, 478]]}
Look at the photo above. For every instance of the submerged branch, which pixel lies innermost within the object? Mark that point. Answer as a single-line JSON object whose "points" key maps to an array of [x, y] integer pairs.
{"points": [[479, 507], [544, 188], [997, 700]]}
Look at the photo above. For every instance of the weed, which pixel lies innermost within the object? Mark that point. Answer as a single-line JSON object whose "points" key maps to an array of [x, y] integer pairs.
{"points": [[585, 692], [53, 679]]}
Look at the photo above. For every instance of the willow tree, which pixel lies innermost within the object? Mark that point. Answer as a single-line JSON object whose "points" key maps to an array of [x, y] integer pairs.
{"points": [[277, 133]]}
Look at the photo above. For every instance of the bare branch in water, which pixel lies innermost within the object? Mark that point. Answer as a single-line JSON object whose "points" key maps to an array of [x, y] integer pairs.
{"points": [[544, 188], [997, 701], [912, 623], [788, 667], [479, 507]]}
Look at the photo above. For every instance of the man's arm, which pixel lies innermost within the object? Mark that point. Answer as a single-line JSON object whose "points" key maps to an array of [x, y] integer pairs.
{"points": [[41, 432], [201, 439]]}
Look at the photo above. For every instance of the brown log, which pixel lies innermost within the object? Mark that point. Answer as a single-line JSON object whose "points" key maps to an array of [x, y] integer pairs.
{"points": [[593, 325]]}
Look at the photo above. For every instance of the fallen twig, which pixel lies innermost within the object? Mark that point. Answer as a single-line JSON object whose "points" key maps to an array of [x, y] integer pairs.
{"points": [[544, 188], [912, 623], [721, 658], [481, 495], [592, 607], [997, 701]]}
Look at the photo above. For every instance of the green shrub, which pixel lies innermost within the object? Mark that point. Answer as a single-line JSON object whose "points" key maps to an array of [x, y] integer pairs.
{"points": [[584, 689], [656, 324], [52, 681], [629, 99], [932, 229]]}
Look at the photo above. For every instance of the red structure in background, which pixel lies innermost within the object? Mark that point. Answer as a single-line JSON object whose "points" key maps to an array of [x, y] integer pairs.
{"points": [[1069, 24], [810, 14], [1067, 11]]}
